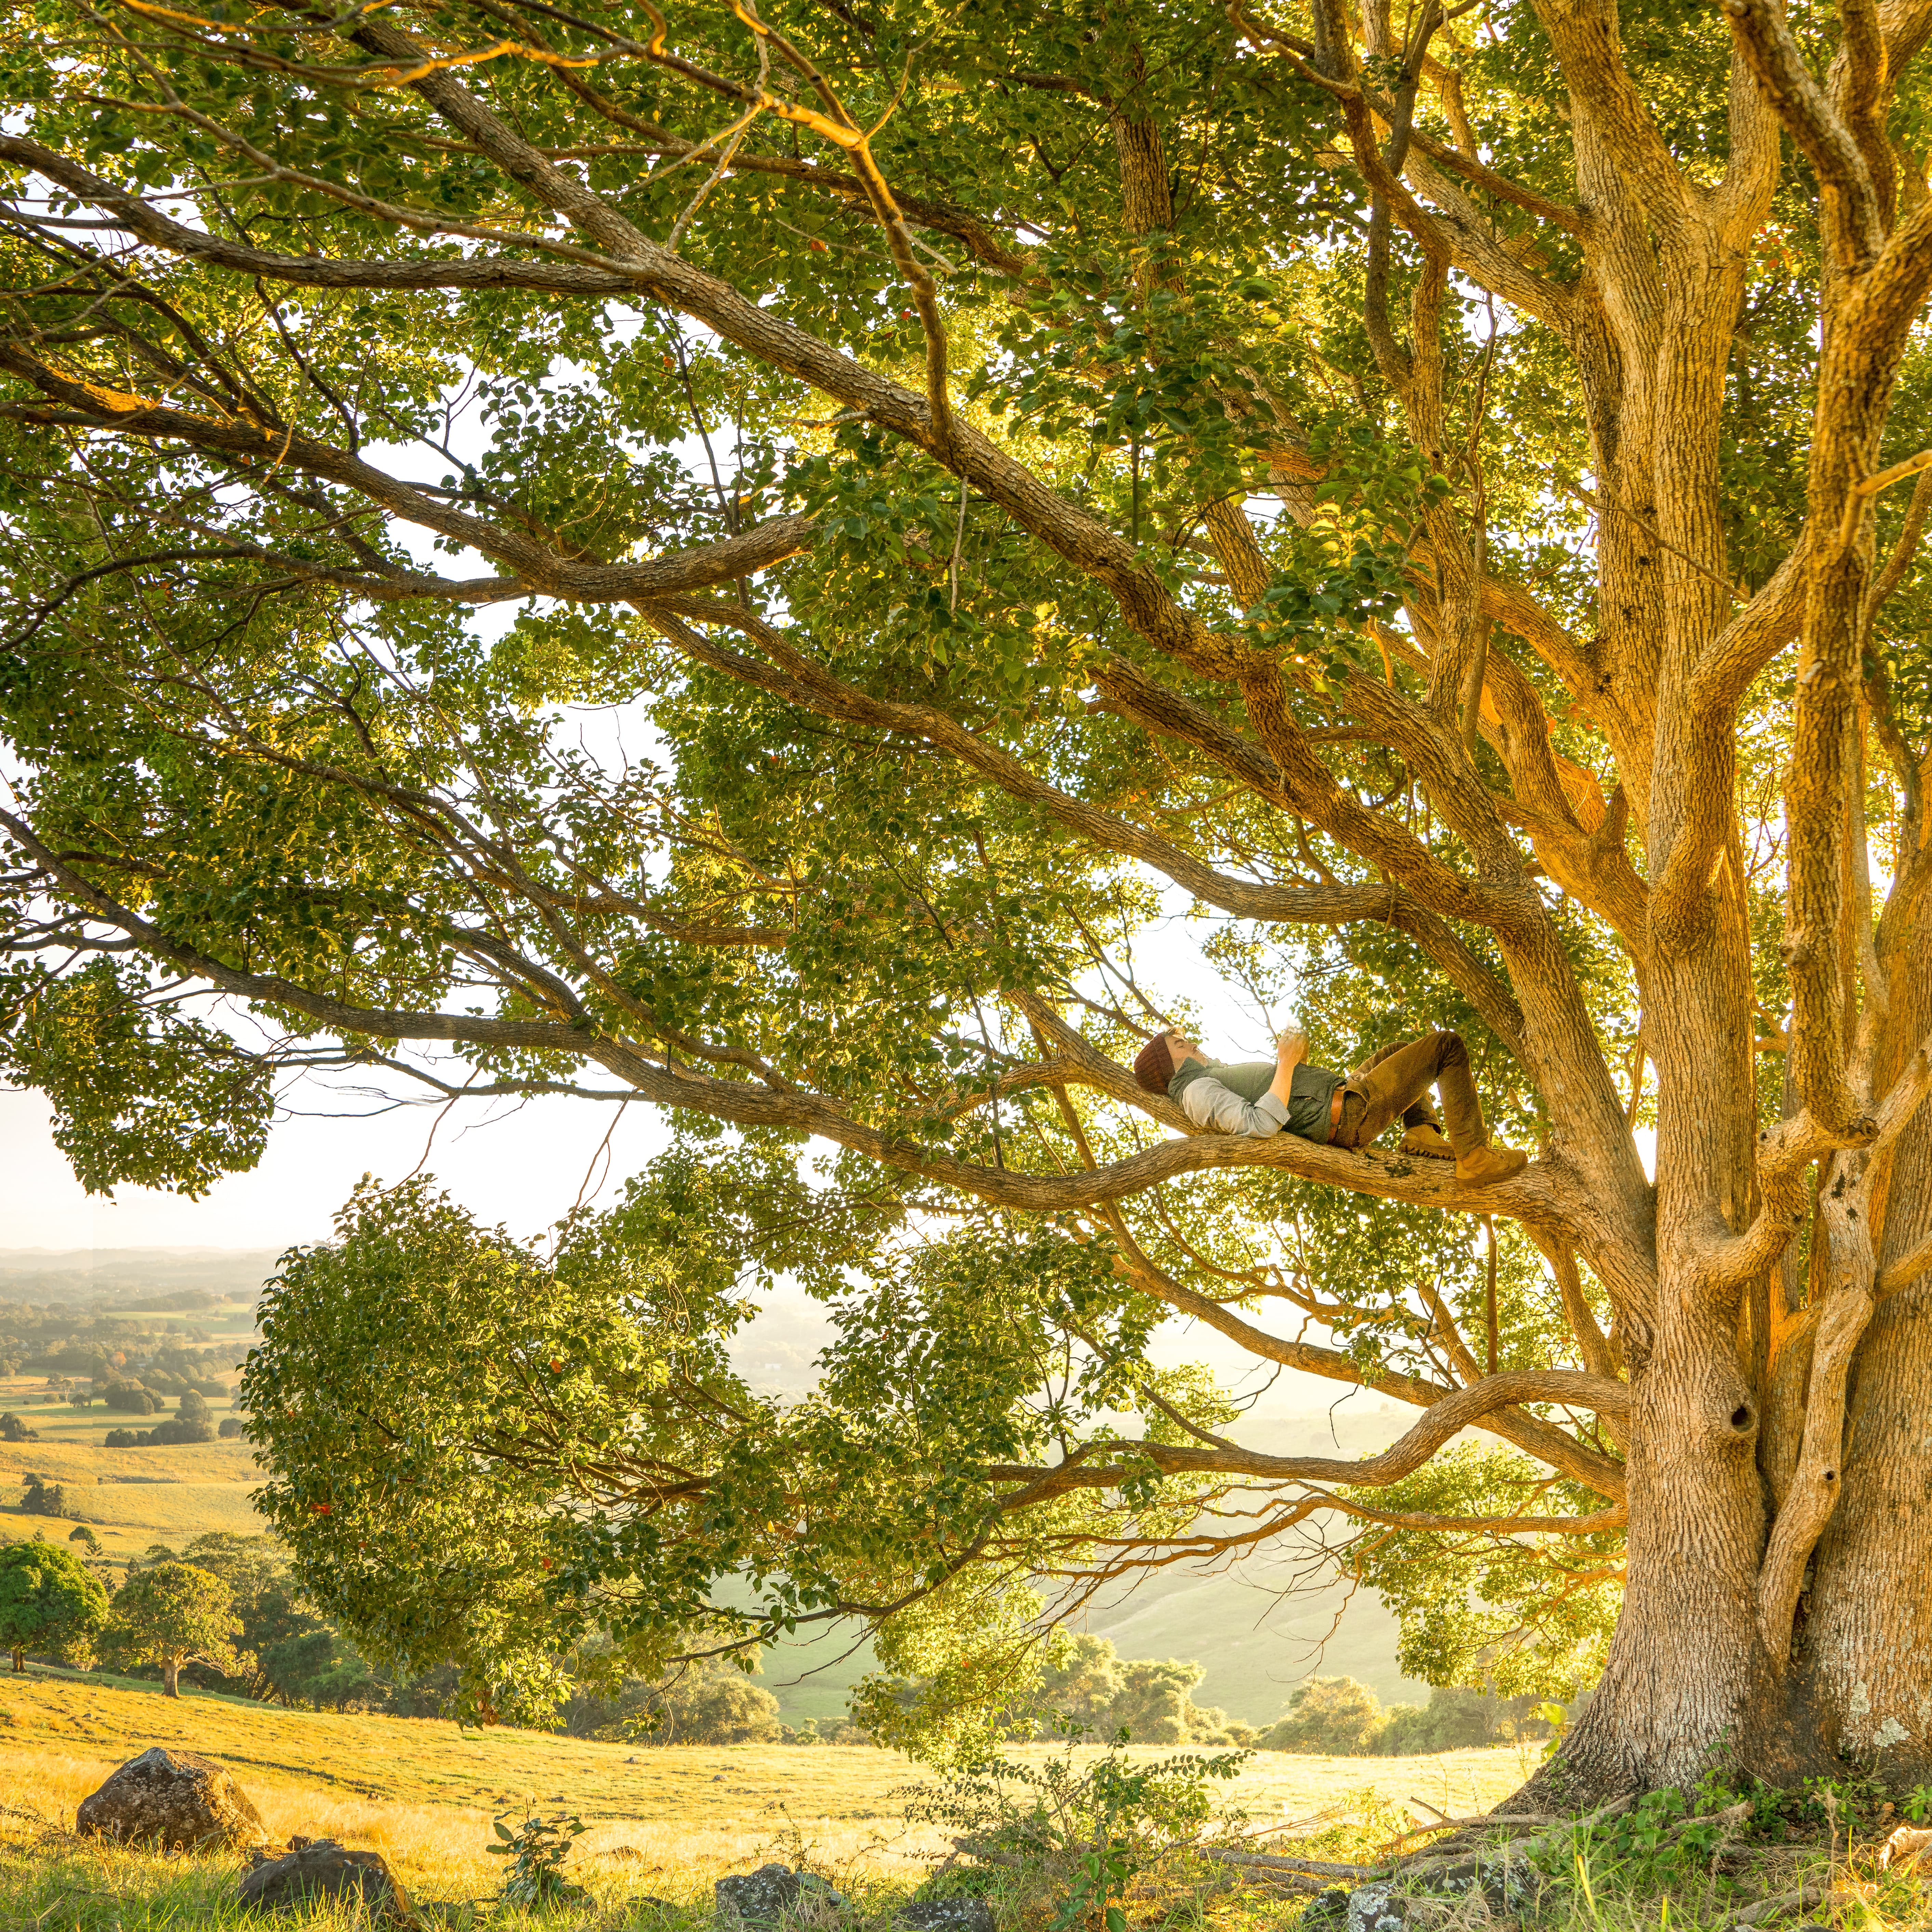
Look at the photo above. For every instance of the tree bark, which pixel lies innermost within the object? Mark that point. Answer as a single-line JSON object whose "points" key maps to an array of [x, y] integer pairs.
{"points": [[1686, 1670], [171, 1677], [1866, 1624]]}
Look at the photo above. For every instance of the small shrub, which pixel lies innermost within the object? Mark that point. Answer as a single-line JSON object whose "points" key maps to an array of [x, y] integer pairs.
{"points": [[232, 1425], [13, 1429], [537, 1848], [1081, 1840], [123, 1438]]}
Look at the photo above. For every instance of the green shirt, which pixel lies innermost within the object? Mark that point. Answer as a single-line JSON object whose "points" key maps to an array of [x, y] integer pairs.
{"points": [[1311, 1094]]}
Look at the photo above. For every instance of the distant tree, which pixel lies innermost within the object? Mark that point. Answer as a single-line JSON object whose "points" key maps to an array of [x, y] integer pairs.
{"points": [[193, 1423], [1153, 1706], [122, 1438], [129, 1398], [318, 1666], [50, 1602], [42, 1498], [286, 1653], [1455, 1718], [86, 1538], [709, 1700], [173, 1614], [1327, 1716], [1090, 1683], [232, 1425], [1082, 1682], [13, 1429]]}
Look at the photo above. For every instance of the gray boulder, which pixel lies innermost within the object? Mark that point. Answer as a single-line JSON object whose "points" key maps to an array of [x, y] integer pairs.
{"points": [[961, 1914], [172, 1800], [765, 1896], [1508, 1887], [1375, 1908], [320, 1868], [1326, 1909]]}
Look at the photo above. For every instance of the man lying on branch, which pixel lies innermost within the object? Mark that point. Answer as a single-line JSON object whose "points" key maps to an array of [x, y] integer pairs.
{"points": [[1348, 1110]]}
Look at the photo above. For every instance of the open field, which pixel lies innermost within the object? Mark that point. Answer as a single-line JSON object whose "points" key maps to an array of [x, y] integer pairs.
{"points": [[423, 1792], [185, 1490]]}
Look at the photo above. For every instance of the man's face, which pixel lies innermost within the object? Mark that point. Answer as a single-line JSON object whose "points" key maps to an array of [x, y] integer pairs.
{"points": [[1182, 1049]]}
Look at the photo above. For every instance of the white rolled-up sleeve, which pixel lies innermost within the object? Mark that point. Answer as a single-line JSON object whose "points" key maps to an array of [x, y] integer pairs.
{"points": [[1220, 1110]]}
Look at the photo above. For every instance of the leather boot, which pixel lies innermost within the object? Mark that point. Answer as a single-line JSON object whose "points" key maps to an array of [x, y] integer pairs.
{"points": [[1487, 1165]]}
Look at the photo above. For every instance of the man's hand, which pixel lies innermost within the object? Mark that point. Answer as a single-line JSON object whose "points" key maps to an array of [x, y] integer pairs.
{"points": [[1292, 1049]]}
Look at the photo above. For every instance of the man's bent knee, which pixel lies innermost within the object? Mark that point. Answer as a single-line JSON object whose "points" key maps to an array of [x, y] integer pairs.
{"points": [[1450, 1050]]}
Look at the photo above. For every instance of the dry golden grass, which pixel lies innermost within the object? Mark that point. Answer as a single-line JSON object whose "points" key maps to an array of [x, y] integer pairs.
{"points": [[666, 1821]]}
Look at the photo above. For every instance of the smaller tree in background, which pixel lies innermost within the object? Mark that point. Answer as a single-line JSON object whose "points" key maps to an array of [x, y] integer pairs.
{"points": [[129, 1398], [706, 1700], [1329, 1716], [86, 1538], [193, 1423], [1088, 1683], [50, 1603], [174, 1614], [41, 1497], [13, 1429]]}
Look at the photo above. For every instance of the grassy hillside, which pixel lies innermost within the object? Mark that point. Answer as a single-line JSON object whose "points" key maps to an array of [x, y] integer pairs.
{"points": [[668, 1822]]}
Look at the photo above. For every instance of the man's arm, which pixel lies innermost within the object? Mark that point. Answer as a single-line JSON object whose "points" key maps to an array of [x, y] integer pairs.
{"points": [[1290, 1050], [1220, 1110]]}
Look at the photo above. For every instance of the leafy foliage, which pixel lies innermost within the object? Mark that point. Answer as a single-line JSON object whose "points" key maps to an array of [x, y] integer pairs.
{"points": [[537, 1849], [1083, 1837], [173, 1614], [51, 1603]]}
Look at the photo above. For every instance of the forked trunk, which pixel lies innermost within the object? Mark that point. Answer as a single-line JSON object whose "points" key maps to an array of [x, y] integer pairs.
{"points": [[1865, 1636]]}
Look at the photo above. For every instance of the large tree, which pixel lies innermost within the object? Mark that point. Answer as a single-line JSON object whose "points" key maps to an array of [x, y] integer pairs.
{"points": [[956, 486]]}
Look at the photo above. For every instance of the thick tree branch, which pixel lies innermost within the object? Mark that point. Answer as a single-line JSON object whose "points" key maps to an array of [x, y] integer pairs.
{"points": [[1854, 217]]}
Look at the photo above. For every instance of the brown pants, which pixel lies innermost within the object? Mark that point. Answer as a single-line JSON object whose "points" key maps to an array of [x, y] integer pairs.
{"points": [[1397, 1080]]}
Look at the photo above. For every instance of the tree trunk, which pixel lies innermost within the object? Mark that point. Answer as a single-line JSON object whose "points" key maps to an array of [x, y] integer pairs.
{"points": [[19, 1661], [1686, 1670], [170, 1677], [1865, 1640]]}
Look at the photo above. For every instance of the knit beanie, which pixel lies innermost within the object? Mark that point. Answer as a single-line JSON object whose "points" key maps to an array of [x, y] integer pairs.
{"points": [[1154, 1068]]}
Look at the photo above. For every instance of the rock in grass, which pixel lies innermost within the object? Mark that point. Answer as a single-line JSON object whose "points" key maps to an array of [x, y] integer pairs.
{"points": [[1507, 1888], [1374, 1908], [763, 1896], [1326, 1909], [320, 1868], [174, 1801], [963, 1913]]}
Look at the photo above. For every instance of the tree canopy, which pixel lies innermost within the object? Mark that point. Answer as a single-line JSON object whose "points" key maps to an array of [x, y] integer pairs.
{"points": [[767, 567], [174, 1613], [50, 1602]]}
